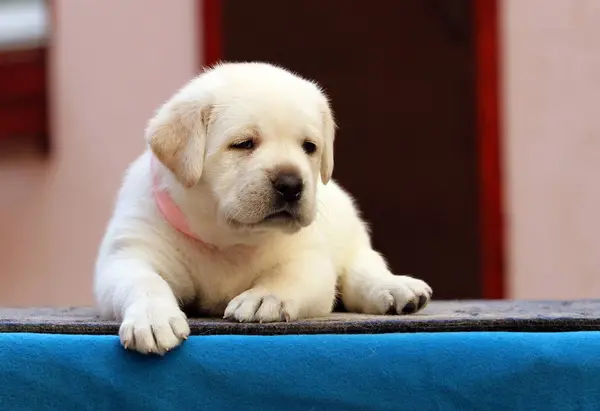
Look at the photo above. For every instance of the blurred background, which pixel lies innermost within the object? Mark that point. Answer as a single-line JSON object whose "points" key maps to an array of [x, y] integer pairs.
{"points": [[487, 112]]}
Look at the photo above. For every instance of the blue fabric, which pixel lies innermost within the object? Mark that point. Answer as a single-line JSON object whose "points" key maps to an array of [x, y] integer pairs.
{"points": [[430, 371]]}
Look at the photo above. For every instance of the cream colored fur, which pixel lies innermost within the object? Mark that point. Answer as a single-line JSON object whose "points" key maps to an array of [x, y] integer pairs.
{"points": [[259, 271]]}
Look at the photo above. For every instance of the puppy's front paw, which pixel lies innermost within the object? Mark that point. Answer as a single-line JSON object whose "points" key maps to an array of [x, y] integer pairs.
{"points": [[399, 295], [153, 328], [260, 306]]}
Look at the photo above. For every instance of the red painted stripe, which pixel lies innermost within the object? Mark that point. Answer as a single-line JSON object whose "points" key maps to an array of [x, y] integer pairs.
{"points": [[489, 137], [23, 118], [22, 75], [23, 102], [211, 31]]}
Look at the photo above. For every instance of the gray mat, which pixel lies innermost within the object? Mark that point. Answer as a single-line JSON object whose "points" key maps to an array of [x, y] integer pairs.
{"points": [[439, 316]]}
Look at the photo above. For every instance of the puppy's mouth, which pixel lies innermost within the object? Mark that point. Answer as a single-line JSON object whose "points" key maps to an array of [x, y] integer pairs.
{"points": [[282, 218], [283, 215], [286, 218]]}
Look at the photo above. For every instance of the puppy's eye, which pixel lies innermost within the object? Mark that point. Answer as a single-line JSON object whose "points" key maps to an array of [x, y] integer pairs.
{"points": [[243, 145], [309, 147]]}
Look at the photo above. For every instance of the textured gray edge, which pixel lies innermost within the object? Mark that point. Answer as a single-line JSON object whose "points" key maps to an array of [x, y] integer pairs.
{"points": [[199, 327], [440, 316]]}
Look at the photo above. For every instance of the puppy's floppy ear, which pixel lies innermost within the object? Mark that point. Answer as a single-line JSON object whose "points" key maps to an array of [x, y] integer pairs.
{"points": [[329, 136], [177, 137]]}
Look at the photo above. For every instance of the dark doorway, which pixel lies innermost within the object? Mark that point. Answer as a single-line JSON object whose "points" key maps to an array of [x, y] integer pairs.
{"points": [[400, 75]]}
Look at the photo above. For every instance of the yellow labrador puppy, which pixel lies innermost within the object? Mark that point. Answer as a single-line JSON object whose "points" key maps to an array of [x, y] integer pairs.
{"points": [[232, 209]]}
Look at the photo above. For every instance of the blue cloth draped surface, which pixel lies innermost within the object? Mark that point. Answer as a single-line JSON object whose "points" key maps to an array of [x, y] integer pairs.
{"points": [[402, 371]]}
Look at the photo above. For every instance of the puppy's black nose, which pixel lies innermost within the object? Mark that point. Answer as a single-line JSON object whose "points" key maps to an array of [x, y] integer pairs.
{"points": [[288, 187]]}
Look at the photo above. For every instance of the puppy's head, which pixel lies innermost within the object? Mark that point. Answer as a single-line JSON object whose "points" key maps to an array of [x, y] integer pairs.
{"points": [[257, 136]]}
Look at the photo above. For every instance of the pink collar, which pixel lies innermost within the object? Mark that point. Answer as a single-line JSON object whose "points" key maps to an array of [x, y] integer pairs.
{"points": [[170, 211]]}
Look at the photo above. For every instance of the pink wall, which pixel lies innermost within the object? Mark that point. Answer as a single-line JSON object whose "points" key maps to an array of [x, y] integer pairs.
{"points": [[113, 63], [552, 128]]}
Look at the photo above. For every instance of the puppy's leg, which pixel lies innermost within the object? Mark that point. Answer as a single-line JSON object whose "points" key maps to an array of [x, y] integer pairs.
{"points": [[128, 289], [302, 288], [369, 287]]}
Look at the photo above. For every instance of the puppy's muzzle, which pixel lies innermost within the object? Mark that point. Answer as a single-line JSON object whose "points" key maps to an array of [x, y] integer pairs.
{"points": [[288, 187]]}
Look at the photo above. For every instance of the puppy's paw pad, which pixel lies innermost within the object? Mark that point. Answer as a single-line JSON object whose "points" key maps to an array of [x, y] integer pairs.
{"points": [[402, 295], [153, 329], [410, 308], [259, 306]]}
